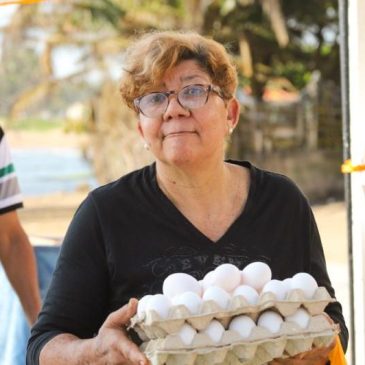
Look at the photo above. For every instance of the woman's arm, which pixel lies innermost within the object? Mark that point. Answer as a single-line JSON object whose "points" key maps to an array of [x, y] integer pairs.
{"points": [[110, 346], [18, 259], [77, 301]]}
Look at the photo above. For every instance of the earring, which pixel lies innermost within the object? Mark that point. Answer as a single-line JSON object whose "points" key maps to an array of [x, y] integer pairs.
{"points": [[230, 130], [146, 146]]}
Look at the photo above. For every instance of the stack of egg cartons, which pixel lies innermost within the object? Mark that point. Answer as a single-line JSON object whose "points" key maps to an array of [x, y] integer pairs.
{"points": [[233, 317]]}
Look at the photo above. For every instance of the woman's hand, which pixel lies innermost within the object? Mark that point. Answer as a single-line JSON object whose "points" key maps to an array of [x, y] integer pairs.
{"points": [[112, 345], [316, 356]]}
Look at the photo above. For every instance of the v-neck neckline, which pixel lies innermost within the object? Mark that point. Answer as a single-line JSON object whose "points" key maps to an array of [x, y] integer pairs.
{"points": [[175, 212]]}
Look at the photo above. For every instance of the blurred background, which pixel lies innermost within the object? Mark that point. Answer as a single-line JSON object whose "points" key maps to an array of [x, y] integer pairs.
{"points": [[69, 132]]}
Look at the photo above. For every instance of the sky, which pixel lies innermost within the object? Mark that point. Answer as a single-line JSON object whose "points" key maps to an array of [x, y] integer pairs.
{"points": [[65, 58], [5, 13]]}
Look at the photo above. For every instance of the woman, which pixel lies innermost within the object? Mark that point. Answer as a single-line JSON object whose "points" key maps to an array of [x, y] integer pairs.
{"points": [[189, 211]]}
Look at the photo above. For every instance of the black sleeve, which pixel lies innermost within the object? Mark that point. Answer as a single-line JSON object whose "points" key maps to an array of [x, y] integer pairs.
{"points": [[77, 297], [319, 271]]}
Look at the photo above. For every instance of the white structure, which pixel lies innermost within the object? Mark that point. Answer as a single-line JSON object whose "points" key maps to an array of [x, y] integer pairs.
{"points": [[356, 46]]}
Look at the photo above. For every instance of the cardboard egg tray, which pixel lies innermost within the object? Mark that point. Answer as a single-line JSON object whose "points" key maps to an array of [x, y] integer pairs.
{"points": [[259, 348], [152, 326]]}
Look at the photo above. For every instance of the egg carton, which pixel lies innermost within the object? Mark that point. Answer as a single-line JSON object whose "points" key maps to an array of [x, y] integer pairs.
{"points": [[259, 348], [150, 325]]}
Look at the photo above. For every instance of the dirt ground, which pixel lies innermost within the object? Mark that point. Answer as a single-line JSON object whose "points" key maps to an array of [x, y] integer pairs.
{"points": [[52, 138], [46, 218]]}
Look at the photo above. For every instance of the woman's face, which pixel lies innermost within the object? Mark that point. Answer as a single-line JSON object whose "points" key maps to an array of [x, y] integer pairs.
{"points": [[181, 136]]}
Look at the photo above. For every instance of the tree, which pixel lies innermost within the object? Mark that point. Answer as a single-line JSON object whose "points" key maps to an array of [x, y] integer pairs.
{"points": [[272, 39]]}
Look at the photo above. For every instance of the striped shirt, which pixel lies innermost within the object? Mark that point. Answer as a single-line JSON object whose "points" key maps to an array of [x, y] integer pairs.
{"points": [[10, 196]]}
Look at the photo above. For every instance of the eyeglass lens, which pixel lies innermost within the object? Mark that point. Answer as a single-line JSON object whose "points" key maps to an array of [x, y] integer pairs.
{"points": [[190, 97]]}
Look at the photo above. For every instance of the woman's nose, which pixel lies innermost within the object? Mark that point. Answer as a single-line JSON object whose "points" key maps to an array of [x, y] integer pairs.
{"points": [[175, 109]]}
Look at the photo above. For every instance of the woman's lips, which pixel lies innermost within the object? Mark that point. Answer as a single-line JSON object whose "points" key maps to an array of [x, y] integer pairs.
{"points": [[178, 133]]}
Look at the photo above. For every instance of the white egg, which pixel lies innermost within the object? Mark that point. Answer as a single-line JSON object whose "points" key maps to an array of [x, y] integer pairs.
{"points": [[187, 334], [271, 321], [218, 295], [277, 287], [227, 277], [306, 283], [190, 300], [287, 283], [142, 304], [256, 274], [160, 304], [178, 283], [243, 325], [208, 280], [214, 330], [249, 293], [301, 317]]}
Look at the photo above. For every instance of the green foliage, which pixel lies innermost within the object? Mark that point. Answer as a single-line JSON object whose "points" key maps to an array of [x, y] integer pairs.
{"points": [[102, 12], [294, 71], [19, 71], [35, 124], [312, 26]]}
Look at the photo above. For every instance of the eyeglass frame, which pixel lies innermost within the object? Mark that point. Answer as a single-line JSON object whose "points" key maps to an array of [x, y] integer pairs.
{"points": [[208, 88]]}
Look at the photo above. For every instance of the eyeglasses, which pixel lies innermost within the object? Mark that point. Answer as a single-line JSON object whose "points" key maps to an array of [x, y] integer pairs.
{"points": [[155, 104]]}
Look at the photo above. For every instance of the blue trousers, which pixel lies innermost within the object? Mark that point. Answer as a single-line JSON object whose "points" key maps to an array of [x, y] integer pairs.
{"points": [[14, 328]]}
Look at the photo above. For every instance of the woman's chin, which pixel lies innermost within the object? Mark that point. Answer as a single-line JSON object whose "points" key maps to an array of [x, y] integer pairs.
{"points": [[180, 151], [181, 157]]}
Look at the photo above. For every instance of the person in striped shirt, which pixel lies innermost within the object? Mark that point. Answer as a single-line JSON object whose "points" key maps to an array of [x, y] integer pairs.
{"points": [[16, 252]]}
